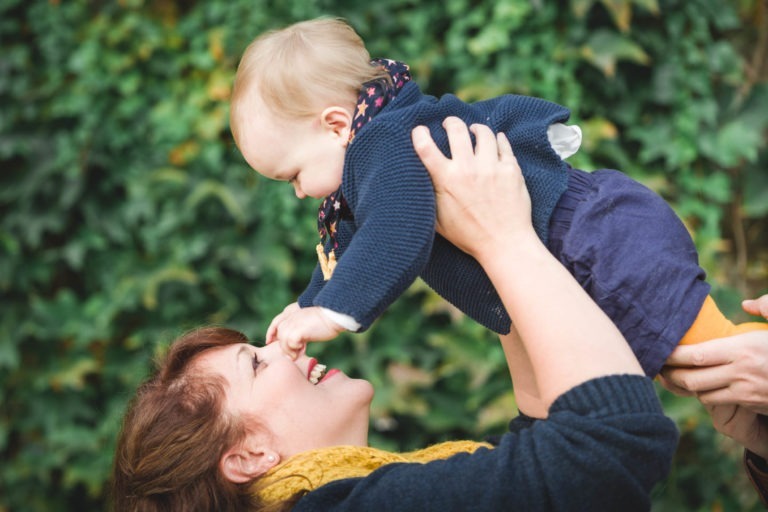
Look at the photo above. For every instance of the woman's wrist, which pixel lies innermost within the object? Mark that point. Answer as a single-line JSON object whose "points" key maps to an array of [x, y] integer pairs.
{"points": [[520, 246]]}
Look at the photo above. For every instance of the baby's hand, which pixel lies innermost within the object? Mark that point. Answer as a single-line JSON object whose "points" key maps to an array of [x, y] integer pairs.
{"points": [[296, 326], [272, 329]]}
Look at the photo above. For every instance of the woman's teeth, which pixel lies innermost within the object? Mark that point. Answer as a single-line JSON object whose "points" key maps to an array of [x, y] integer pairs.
{"points": [[317, 373]]}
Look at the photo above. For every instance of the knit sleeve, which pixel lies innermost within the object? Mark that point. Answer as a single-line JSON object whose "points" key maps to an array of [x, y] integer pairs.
{"points": [[313, 288], [393, 203], [604, 446]]}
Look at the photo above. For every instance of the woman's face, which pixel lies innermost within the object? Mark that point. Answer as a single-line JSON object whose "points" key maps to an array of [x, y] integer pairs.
{"points": [[265, 384]]}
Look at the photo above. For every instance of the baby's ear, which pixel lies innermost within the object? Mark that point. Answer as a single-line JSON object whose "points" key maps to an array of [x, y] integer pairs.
{"points": [[338, 121]]}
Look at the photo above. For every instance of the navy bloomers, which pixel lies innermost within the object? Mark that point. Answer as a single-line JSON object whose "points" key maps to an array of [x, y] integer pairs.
{"points": [[632, 254]]}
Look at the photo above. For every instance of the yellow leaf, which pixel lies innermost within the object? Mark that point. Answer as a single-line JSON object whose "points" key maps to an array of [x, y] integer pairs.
{"points": [[183, 153], [621, 12], [74, 375], [168, 274], [215, 46]]}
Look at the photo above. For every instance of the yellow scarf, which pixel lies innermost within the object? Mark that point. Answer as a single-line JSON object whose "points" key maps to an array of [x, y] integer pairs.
{"points": [[309, 470]]}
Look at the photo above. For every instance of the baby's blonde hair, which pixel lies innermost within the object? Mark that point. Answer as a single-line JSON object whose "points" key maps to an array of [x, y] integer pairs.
{"points": [[304, 68]]}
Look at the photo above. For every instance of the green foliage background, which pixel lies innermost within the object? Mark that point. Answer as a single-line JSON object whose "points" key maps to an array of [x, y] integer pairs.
{"points": [[127, 214]]}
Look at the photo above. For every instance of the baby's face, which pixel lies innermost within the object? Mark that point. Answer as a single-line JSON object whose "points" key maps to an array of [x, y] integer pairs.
{"points": [[304, 152]]}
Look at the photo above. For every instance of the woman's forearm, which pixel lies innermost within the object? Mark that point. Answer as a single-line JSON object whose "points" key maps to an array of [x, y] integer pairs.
{"points": [[568, 338]]}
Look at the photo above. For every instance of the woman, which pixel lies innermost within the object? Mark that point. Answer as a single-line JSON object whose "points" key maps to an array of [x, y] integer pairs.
{"points": [[230, 426]]}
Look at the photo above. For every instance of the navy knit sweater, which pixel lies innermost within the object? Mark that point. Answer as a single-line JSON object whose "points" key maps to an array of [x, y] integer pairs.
{"points": [[392, 238], [604, 446]]}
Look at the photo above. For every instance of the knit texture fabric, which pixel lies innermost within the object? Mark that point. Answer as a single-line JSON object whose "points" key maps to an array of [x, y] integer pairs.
{"points": [[390, 240], [309, 470], [372, 99], [604, 446]]}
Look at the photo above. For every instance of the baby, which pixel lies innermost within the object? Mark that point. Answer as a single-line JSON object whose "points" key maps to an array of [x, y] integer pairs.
{"points": [[310, 107]]}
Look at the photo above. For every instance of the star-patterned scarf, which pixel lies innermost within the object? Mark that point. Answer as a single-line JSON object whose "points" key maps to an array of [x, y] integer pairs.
{"points": [[373, 97]]}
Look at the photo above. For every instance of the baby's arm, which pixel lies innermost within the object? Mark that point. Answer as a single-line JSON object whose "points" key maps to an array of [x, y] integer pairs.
{"points": [[296, 326], [316, 284], [394, 227]]}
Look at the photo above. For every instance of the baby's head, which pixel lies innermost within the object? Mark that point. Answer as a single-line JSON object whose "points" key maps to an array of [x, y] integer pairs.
{"points": [[293, 101]]}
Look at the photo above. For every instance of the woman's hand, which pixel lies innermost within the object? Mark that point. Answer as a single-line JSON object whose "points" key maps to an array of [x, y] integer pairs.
{"points": [[476, 223], [757, 307], [743, 425], [731, 370], [730, 377]]}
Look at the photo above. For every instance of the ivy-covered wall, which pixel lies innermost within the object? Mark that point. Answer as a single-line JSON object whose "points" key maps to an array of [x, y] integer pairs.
{"points": [[127, 214]]}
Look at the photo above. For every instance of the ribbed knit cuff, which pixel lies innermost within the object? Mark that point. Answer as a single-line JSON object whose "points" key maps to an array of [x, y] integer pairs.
{"points": [[613, 394]]}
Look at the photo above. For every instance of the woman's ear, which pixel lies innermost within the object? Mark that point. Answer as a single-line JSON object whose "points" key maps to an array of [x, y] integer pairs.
{"points": [[338, 122], [242, 463]]}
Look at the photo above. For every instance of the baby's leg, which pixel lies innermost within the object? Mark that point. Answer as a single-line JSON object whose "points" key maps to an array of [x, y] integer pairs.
{"points": [[711, 324], [523, 379]]}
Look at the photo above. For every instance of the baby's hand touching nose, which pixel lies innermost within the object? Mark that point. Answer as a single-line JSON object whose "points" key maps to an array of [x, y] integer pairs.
{"points": [[272, 329], [292, 349], [296, 326]]}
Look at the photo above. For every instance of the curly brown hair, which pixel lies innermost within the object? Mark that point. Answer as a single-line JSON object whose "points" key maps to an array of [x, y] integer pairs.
{"points": [[174, 434]]}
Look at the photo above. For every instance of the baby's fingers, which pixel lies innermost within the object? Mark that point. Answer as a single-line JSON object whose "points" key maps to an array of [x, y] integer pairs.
{"points": [[292, 348], [274, 327], [271, 331], [289, 310]]}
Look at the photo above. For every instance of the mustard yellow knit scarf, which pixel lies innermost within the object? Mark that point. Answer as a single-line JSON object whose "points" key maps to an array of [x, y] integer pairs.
{"points": [[309, 470]]}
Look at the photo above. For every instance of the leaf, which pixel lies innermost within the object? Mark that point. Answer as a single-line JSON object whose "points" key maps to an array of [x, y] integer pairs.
{"points": [[211, 189], [73, 375], [604, 49], [733, 144], [756, 192], [621, 12], [162, 276]]}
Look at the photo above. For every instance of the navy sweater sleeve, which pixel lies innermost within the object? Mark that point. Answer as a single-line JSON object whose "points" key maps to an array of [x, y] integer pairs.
{"points": [[313, 288], [391, 195], [604, 446]]}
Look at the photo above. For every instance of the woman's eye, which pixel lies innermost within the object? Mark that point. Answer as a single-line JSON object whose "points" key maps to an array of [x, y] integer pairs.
{"points": [[256, 363]]}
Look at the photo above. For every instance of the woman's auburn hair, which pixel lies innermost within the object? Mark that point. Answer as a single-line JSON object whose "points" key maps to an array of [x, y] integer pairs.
{"points": [[303, 68], [174, 434]]}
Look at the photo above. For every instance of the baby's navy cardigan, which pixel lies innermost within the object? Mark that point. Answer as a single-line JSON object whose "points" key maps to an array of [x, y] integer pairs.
{"points": [[392, 200], [603, 447]]}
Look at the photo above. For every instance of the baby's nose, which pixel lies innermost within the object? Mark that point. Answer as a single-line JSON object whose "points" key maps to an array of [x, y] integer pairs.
{"points": [[299, 193]]}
